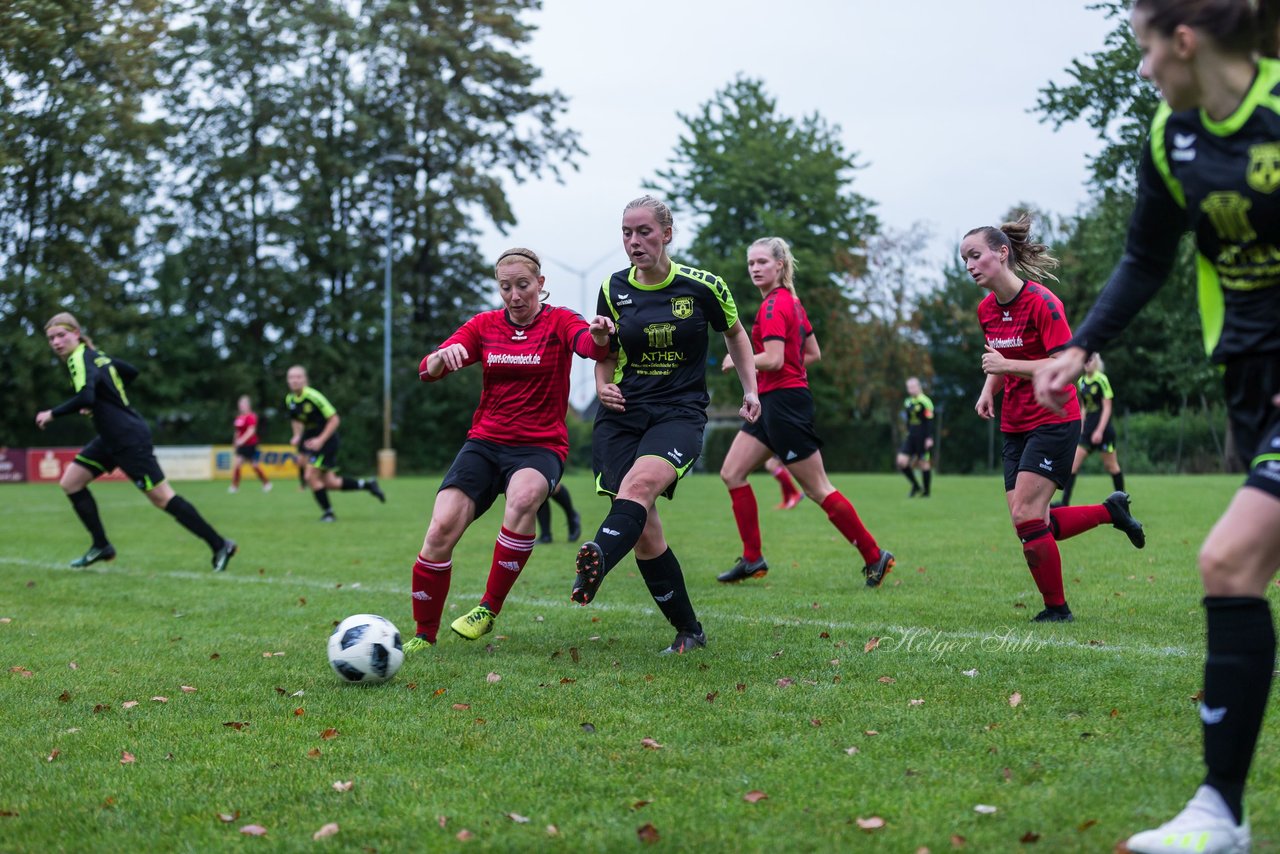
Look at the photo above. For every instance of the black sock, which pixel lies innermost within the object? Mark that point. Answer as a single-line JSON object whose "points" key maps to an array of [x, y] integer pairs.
{"points": [[180, 509], [665, 581], [322, 498], [927, 477], [544, 519], [1066, 490], [910, 474], [1117, 481], [564, 499], [620, 530], [87, 509], [1240, 658], [350, 484]]}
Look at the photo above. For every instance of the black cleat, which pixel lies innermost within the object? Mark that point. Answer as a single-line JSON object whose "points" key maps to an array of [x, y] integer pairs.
{"points": [[875, 572], [684, 642], [575, 527], [1052, 615], [744, 569], [328, 517], [223, 556], [375, 490], [915, 490], [95, 554], [590, 563], [1117, 504], [546, 538]]}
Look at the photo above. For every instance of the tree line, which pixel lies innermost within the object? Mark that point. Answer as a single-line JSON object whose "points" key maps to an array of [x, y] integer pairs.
{"points": [[208, 186]]}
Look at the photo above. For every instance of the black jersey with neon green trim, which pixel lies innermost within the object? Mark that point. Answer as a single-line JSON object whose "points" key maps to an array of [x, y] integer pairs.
{"points": [[310, 407], [1092, 390], [663, 333], [1221, 181], [99, 383], [918, 410]]}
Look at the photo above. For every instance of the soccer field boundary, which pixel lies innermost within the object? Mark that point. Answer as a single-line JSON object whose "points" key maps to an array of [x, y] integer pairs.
{"points": [[920, 639]]}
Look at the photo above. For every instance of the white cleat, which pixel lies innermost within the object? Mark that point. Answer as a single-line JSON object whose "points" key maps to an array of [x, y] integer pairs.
{"points": [[1205, 826], [233, 489]]}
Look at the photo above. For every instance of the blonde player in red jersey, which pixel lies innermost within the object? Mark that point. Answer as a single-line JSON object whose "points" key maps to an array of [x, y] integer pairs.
{"points": [[517, 443], [245, 441]]}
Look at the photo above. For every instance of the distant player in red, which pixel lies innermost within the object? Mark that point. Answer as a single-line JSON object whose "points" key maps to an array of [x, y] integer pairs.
{"points": [[783, 346], [245, 440], [518, 440], [791, 494], [1024, 325]]}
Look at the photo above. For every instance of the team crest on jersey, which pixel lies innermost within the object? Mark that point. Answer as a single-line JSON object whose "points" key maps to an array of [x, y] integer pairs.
{"points": [[1264, 167], [682, 307]]}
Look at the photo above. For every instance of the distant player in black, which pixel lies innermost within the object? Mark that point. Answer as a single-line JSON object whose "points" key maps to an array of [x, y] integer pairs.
{"points": [[1098, 433], [315, 435], [560, 495], [654, 399], [917, 411], [123, 441], [1212, 166]]}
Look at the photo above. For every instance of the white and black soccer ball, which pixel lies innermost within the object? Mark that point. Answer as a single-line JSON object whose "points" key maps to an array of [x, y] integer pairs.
{"points": [[365, 648]]}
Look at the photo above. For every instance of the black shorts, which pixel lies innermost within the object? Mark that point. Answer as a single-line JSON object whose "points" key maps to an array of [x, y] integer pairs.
{"points": [[1250, 384], [1048, 450], [137, 461], [913, 445], [1108, 443], [785, 425], [325, 459], [248, 453], [483, 469], [618, 439]]}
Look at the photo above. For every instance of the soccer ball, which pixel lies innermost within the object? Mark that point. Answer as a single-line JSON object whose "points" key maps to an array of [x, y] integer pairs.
{"points": [[365, 648]]}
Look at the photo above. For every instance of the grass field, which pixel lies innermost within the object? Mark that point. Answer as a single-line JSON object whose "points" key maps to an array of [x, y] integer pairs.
{"points": [[1077, 734]]}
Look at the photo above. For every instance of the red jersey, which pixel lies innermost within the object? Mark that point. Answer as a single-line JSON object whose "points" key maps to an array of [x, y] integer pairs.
{"points": [[525, 392], [782, 318], [1031, 326], [246, 424]]}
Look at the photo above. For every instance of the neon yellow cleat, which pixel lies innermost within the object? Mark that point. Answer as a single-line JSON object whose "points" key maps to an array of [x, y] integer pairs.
{"points": [[475, 623], [416, 644]]}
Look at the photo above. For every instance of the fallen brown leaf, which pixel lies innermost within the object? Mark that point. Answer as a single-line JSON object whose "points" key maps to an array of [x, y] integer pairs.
{"points": [[64, 697], [917, 702], [567, 681], [852, 751], [1029, 837], [824, 635], [101, 707], [159, 699], [464, 835], [754, 796], [236, 725], [493, 677], [461, 707], [327, 830], [552, 830], [227, 818], [647, 833], [328, 734], [54, 754], [957, 841], [871, 644], [574, 654], [785, 682], [740, 687], [442, 820], [313, 753], [887, 680], [1197, 696], [128, 704], [711, 698], [253, 830], [1014, 699], [650, 744], [815, 721], [875, 822], [870, 732], [187, 689], [517, 818], [340, 786], [1086, 825], [588, 727], [437, 692], [126, 758], [640, 804]]}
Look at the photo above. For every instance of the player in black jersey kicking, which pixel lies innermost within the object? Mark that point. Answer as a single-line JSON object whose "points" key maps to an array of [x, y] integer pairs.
{"points": [[1213, 167], [1098, 433], [653, 398], [123, 441], [315, 435]]}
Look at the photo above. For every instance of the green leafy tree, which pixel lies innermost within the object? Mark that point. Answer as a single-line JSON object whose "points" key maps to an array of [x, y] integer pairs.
{"points": [[77, 149], [745, 170]]}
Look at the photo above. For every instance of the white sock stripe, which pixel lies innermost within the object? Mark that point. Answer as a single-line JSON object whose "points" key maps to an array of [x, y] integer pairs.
{"points": [[437, 567], [517, 543]]}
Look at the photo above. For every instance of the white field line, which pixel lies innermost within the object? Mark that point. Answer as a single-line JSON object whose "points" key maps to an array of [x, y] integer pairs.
{"points": [[919, 640]]}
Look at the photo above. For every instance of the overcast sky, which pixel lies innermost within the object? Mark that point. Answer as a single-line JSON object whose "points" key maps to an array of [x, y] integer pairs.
{"points": [[932, 95]]}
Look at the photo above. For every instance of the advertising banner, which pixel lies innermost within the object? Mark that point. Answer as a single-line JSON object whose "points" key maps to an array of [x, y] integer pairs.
{"points": [[46, 465], [278, 461], [185, 462], [13, 465]]}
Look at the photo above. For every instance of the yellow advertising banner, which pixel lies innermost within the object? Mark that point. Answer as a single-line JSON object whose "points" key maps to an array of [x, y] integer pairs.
{"points": [[278, 461]]}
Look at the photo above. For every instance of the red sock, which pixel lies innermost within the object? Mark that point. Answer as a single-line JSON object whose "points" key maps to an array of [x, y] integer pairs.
{"points": [[235, 477], [430, 588], [784, 480], [262, 476], [845, 518], [1069, 521], [1044, 560], [510, 553], [747, 515]]}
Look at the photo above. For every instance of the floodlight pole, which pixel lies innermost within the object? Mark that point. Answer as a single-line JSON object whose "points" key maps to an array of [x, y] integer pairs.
{"points": [[387, 455]]}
